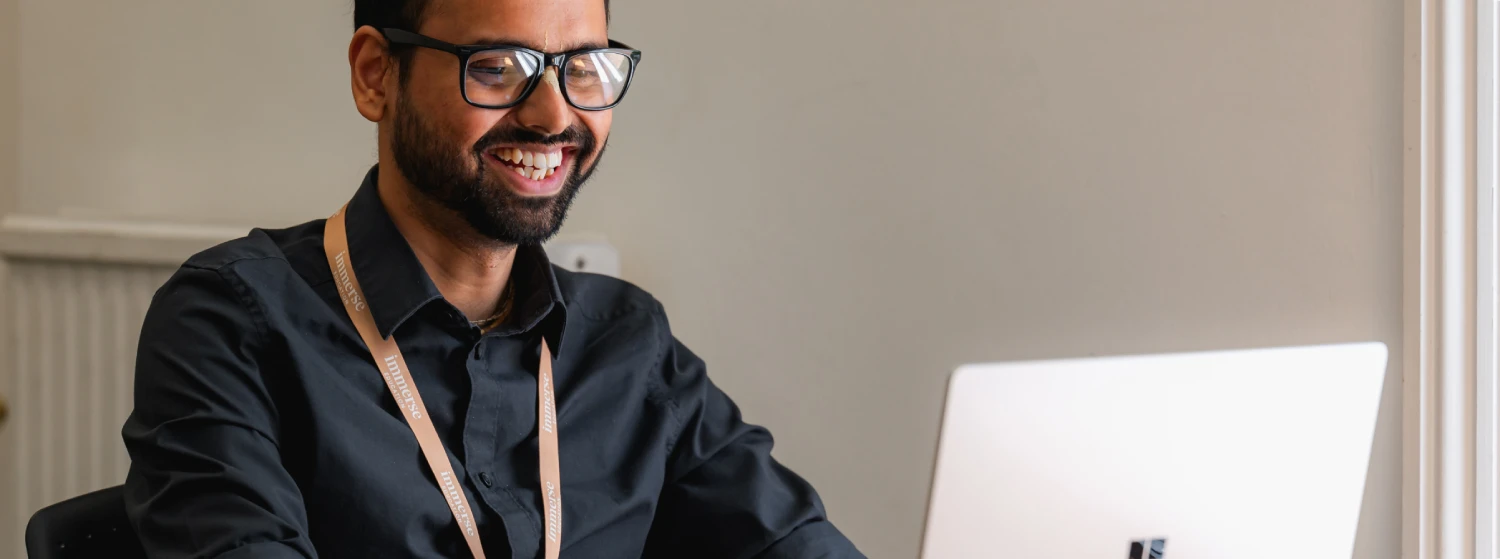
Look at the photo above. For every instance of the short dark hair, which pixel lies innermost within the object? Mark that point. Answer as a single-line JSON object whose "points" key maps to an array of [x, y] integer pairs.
{"points": [[380, 14], [400, 14]]}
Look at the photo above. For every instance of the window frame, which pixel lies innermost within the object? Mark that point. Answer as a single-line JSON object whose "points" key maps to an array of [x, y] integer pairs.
{"points": [[1450, 295], [1487, 240]]}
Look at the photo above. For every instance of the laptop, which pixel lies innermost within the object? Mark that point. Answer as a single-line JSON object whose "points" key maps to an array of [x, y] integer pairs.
{"points": [[1221, 455]]}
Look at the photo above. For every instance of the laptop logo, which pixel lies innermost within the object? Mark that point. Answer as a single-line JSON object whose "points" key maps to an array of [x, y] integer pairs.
{"points": [[1148, 549]]}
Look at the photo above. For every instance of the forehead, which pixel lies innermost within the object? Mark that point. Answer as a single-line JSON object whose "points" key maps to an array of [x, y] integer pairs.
{"points": [[548, 25]]}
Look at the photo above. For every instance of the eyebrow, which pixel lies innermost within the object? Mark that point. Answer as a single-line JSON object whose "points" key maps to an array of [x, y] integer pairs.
{"points": [[498, 41]]}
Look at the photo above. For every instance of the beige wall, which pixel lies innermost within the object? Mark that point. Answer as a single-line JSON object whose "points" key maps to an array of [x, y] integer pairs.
{"points": [[841, 200], [10, 53], [188, 111], [959, 180], [10, 108]]}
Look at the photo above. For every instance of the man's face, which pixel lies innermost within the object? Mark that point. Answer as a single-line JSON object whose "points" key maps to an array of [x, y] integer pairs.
{"points": [[464, 157]]}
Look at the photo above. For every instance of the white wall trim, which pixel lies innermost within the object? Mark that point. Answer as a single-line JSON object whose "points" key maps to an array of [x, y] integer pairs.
{"points": [[1449, 372], [1487, 330], [52, 238], [168, 244]]}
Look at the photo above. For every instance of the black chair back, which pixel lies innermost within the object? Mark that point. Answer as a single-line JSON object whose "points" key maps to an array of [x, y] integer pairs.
{"points": [[86, 527]]}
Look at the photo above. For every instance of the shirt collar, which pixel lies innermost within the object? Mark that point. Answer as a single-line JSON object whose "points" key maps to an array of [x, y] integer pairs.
{"points": [[537, 297], [397, 286]]}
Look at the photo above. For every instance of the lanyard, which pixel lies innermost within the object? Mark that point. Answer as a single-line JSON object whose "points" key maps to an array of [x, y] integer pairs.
{"points": [[392, 366]]}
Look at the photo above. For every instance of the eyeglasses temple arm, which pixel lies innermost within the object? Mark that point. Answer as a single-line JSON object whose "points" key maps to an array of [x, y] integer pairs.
{"points": [[403, 37], [619, 45]]}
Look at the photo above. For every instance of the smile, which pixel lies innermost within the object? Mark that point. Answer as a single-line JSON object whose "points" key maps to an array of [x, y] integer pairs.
{"points": [[534, 165]]}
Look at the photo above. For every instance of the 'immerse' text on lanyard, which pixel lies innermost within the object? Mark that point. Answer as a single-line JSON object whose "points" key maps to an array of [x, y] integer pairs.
{"points": [[392, 366]]}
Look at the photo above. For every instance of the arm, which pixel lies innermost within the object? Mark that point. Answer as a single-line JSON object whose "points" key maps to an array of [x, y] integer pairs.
{"points": [[206, 478], [724, 495]]}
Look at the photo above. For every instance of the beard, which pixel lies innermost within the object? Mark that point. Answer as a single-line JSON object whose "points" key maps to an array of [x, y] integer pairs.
{"points": [[456, 177]]}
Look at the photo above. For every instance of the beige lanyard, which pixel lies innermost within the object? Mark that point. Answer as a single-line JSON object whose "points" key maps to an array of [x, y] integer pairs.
{"points": [[392, 366]]}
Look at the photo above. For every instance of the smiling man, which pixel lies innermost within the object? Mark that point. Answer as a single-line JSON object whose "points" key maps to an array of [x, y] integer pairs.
{"points": [[412, 378]]}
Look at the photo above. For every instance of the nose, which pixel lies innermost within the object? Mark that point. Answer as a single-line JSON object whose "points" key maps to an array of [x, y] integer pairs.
{"points": [[545, 111]]}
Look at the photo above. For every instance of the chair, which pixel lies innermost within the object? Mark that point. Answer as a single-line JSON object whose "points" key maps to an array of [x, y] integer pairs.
{"points": [[86, 527]]}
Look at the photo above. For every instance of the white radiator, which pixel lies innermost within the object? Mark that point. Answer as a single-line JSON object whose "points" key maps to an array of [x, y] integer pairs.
{"points": [[70, 339]]}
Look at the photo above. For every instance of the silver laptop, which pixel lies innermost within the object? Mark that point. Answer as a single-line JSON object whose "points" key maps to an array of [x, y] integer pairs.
{"points": [[1223, 455]]}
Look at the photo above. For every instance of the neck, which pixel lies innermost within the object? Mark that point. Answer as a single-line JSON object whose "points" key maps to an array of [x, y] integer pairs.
{"points": [[470, 271]]}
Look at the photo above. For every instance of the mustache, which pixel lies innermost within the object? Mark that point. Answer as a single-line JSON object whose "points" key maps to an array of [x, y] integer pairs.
{"points": [[572, 135]]}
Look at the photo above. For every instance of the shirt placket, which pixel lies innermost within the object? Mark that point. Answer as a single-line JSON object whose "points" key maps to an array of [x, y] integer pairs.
{"points": [[481, 436]]}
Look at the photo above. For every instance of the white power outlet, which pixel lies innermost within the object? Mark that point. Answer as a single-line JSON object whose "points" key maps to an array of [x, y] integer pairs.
{"points": [[595, 257]]}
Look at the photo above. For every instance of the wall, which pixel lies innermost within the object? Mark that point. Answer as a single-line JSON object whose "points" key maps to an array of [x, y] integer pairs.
{"points": [[188, 112], [872, 192], [10, 111], [10, 104], [839, 201]]}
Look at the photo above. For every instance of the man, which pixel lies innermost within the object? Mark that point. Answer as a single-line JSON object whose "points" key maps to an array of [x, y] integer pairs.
{"points": [[411, 378]]}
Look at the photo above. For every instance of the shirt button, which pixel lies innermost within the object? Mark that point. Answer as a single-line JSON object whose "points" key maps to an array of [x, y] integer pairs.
{"points": [[484, 477]]}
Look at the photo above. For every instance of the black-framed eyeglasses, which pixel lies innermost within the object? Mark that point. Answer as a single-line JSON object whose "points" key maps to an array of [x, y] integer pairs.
{"points": [[502, 76]]}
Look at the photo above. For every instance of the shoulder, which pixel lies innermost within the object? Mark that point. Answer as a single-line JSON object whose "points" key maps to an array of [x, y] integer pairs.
{"points": [[244, 269], [603, 298], [618, 317], [297, 249]]}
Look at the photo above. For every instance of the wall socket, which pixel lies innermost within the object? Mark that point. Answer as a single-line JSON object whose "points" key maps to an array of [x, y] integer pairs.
{"points": [[595, 257]]}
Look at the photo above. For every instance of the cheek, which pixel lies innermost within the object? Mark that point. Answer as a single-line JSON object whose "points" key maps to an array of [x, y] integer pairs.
{"points": [[459, 123], [464, 125], [470, 124], [598, 124]]}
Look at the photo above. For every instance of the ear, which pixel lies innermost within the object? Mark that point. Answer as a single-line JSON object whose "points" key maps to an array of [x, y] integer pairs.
{"points": [[370, 63]]}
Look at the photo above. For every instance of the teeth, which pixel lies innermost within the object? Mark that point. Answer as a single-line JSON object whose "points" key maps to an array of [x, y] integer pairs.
{"points": [[529, 162], [539, 174], [551, 170]]}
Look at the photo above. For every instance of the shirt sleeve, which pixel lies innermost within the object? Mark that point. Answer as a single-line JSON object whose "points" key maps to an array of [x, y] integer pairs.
{"points": [[206, 478], [725, 496]]}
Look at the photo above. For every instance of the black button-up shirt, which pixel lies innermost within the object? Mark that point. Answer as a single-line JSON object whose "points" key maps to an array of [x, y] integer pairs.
{"points": [[262, 428]]}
